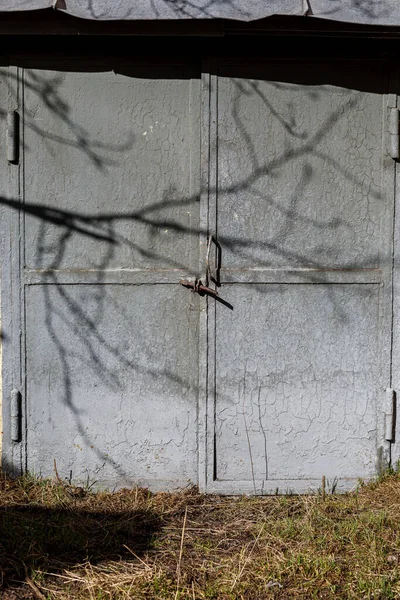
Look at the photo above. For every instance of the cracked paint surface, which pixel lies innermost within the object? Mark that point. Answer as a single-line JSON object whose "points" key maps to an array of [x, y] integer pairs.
{"points": [[297, 376], [127, 414], [299, 169], [303, 222], [111, 224], [111, 354]]}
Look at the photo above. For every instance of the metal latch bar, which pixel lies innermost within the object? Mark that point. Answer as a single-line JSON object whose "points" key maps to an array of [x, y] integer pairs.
{"points": [[198, 287]]}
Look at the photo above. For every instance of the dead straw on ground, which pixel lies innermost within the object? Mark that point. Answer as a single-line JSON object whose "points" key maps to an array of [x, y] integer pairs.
{"points": [[60, 542]]}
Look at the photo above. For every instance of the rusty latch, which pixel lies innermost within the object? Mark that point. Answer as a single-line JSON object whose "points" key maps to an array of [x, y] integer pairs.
{"points": [[198, 287]]}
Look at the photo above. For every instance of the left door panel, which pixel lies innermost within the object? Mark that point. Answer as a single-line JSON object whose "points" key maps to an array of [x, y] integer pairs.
{"points": [[109, 222]]}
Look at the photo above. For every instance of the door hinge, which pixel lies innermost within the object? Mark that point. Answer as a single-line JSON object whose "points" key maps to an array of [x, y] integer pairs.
{"points": [[394, 132], [16, 415], [12, 136], [390, 415]]}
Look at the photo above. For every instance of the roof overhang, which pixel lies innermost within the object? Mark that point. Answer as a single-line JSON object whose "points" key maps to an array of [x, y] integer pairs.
{"points": [[365, 12]]}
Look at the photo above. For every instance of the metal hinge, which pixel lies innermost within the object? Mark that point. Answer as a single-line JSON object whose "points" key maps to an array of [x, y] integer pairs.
{"points": [[394, 132], [12, 136], [390, 415], [16, 415]]}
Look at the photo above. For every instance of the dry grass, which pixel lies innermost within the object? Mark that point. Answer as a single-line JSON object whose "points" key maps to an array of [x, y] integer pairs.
{"points": [[59, 542]]}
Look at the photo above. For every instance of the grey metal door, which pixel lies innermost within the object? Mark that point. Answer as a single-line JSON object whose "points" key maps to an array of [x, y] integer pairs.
{"points": [[300, 198], [108, 215], [101, 219]]}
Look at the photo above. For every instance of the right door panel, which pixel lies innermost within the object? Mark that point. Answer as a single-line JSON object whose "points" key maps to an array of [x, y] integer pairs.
{"points": [[303, 212]]}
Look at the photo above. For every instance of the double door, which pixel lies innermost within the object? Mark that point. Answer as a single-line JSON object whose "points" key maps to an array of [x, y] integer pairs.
{"points": [[274, 185]]}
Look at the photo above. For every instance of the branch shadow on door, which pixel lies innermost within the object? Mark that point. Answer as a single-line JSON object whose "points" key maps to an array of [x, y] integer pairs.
{"points": [[60, 230]]}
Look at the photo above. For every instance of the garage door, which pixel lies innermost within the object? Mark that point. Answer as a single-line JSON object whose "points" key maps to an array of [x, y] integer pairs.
{"points": [[124, 376]]}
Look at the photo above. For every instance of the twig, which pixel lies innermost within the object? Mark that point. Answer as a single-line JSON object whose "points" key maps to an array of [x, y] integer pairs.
{"points": [[238, 576], [323, 488], [35, 589], [178, 568], [32, 584], [248, 437], [138, 557], [57, 475]]}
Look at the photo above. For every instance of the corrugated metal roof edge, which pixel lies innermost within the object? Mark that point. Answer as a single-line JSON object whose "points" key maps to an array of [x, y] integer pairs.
{"points": [[50, 22]]}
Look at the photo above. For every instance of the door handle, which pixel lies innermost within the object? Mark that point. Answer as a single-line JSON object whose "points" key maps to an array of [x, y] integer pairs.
{"points": [[209, 275], [197, 285]]}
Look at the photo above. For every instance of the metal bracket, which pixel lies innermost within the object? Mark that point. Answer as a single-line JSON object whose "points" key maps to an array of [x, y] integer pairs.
{"points": [[390, 415], [394, 132], [12, 136], [15, 416]]}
